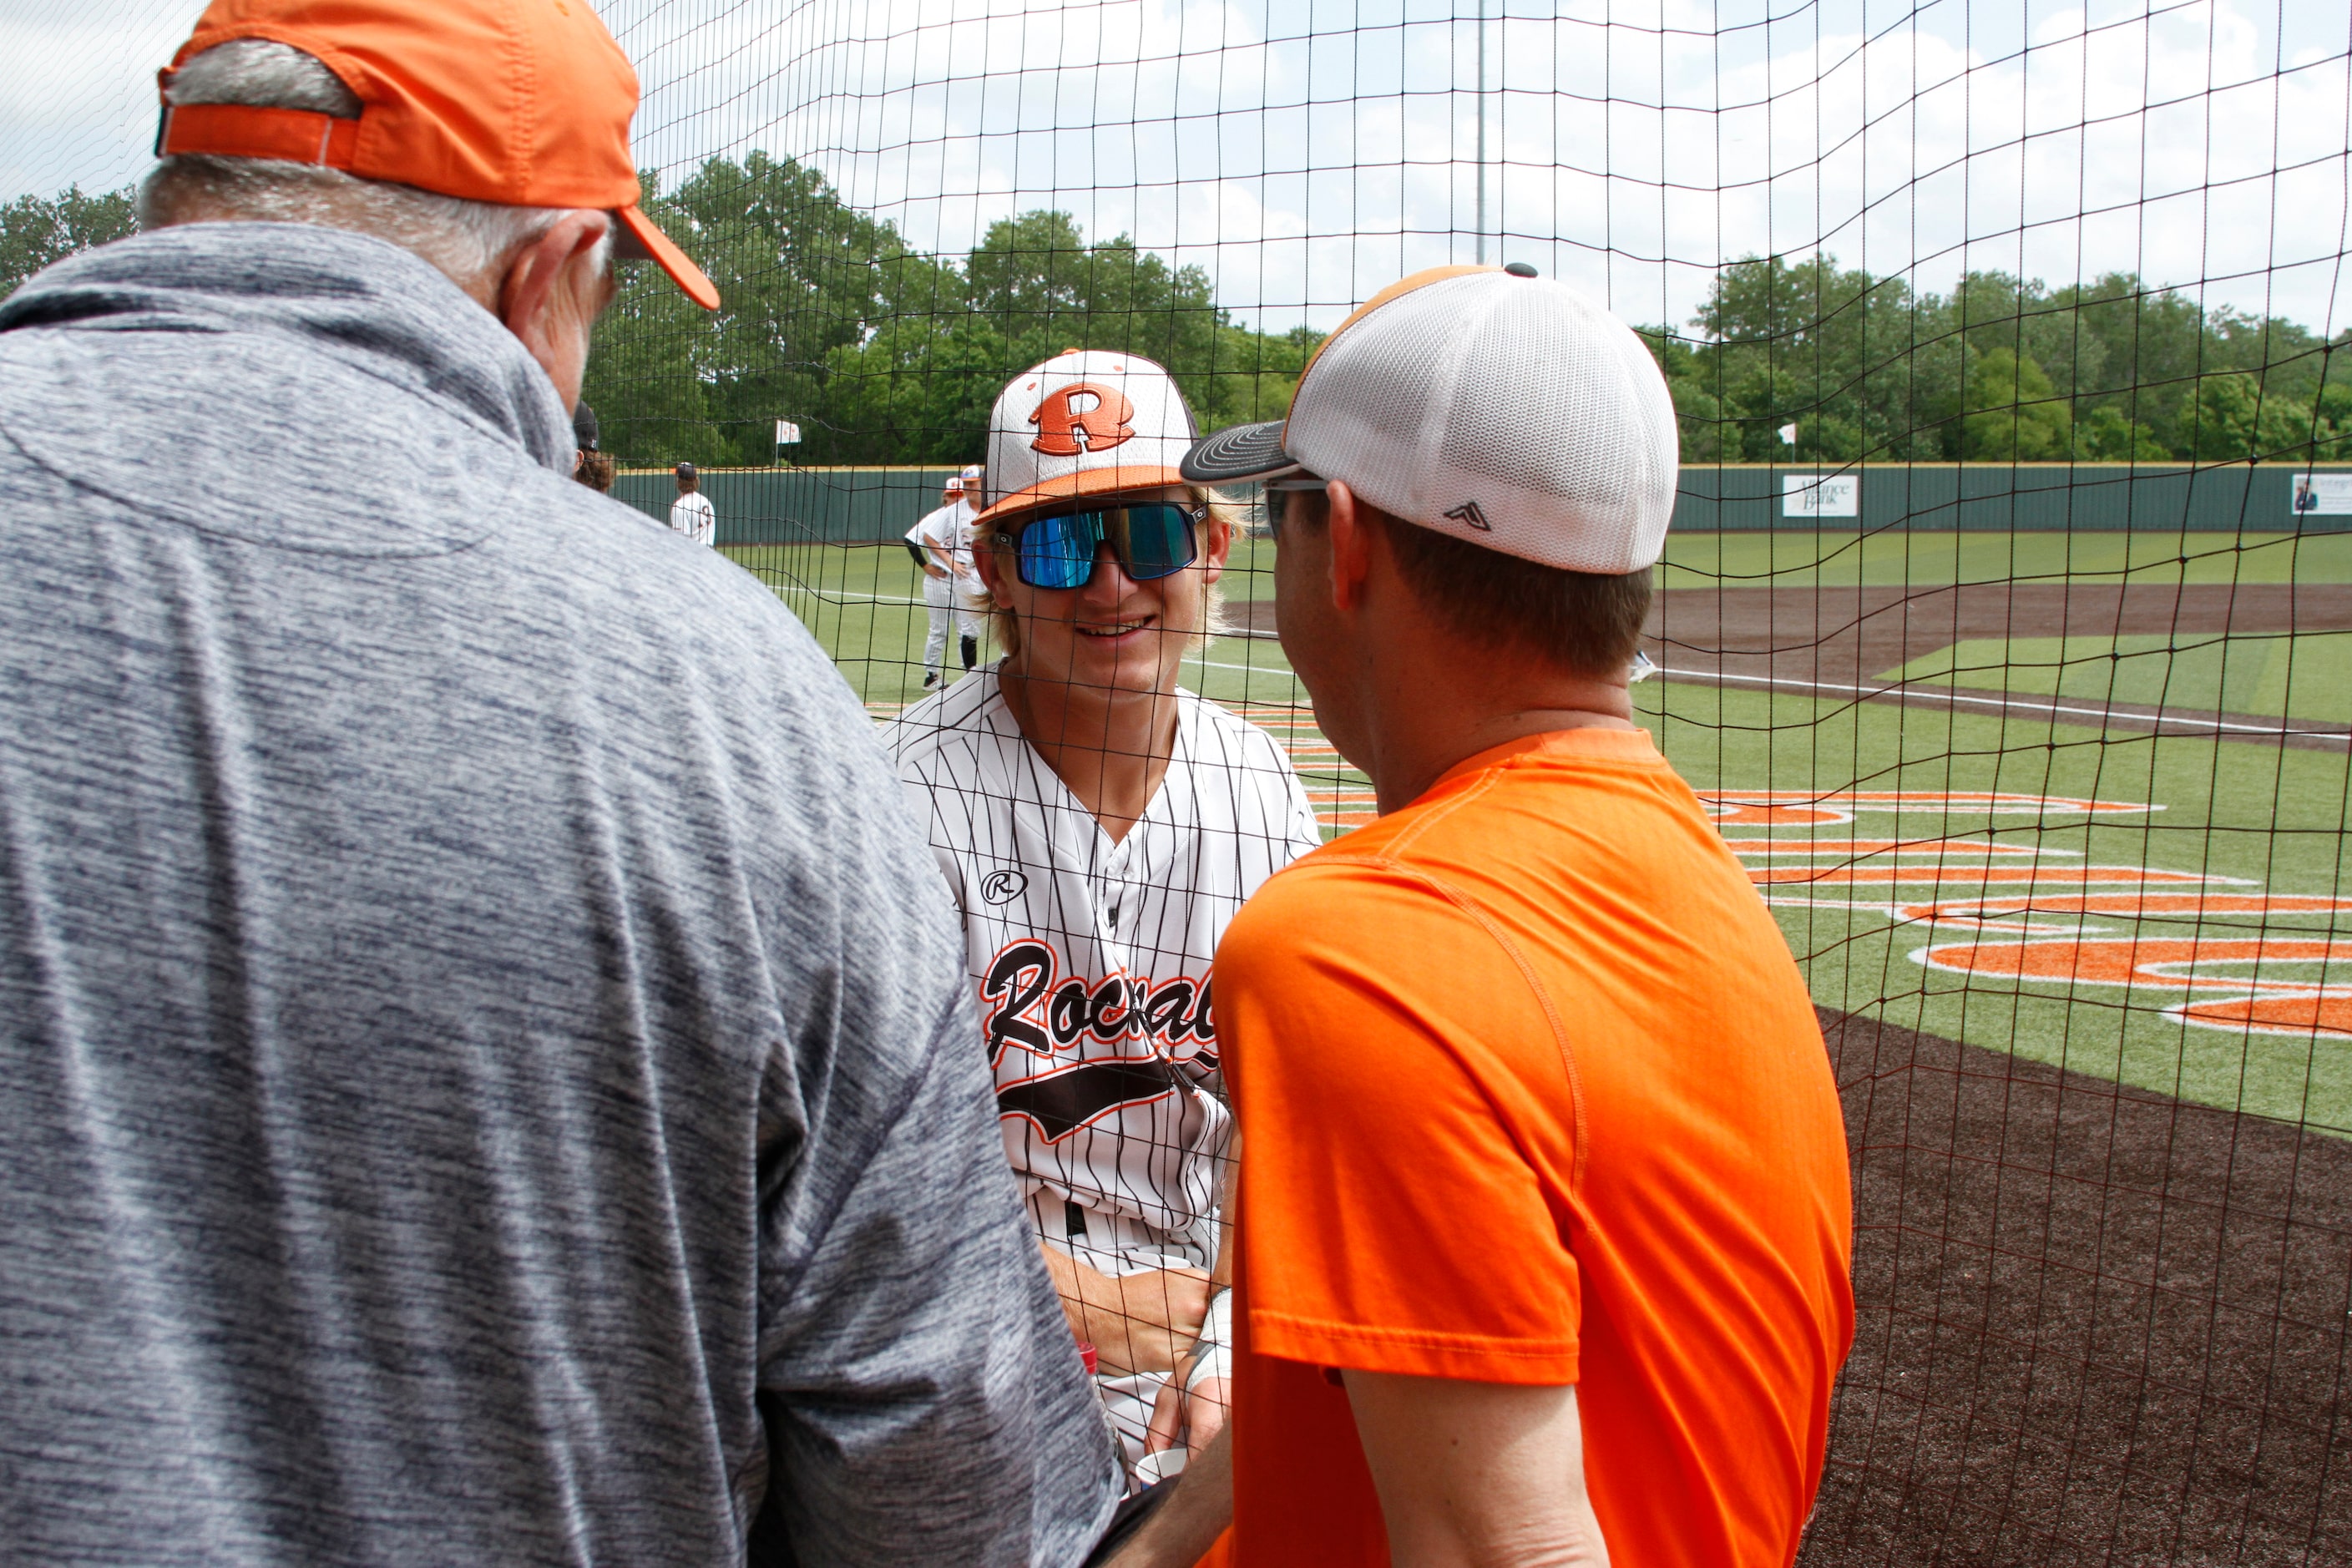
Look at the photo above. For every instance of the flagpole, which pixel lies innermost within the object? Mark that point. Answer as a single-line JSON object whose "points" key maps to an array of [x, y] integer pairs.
{"points": [[1481, 101]]}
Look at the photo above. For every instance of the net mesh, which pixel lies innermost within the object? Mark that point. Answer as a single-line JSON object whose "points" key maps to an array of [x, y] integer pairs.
{"points": [[2003, 625], [2005, 628]]}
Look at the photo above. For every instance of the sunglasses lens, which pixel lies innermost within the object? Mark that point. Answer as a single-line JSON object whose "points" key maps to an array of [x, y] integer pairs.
{"points": [[1151, 541], [1158, 540], [1059, 551]]}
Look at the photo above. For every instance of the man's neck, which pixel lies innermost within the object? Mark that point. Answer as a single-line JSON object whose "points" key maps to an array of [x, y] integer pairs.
{"points": [[1111, 749], [1433, 708]]}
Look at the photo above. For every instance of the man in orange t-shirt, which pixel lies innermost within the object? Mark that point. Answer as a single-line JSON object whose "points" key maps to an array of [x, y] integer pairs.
{"points": [[1543, 1223]]}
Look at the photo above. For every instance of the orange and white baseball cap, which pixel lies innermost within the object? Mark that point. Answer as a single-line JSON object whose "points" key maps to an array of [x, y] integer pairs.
{"points": [[522, 104], [1485, 403], [1085, 423]]}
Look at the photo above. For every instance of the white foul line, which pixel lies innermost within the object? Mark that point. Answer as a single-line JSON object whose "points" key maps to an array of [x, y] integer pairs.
{"points": [[2004, 703]]}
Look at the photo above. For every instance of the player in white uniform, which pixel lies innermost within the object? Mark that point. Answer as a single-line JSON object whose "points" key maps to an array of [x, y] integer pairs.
{"points": [[1099, 826], [951, 589], [691, 513]]}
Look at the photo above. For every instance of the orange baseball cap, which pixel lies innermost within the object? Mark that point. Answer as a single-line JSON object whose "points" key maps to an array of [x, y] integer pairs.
{"points": [[521, 102]]}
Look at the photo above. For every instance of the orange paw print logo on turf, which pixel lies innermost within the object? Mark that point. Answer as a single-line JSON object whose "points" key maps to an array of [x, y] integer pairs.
{"points": [[1082, 417]]}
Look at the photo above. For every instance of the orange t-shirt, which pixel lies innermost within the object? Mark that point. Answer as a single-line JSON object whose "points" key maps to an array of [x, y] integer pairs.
{"points": [[1530, 1091]]}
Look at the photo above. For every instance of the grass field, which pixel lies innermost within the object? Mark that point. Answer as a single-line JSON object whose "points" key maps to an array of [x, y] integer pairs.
{"points": [[2168, 911], [1895, 559], [2290, 677]]}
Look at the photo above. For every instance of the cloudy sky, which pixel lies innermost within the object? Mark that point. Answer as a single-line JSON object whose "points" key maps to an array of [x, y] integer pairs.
{"points": [[1306, 152]]}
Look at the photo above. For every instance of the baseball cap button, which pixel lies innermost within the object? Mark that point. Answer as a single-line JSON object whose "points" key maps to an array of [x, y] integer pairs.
{"points": [[1520, 269]]}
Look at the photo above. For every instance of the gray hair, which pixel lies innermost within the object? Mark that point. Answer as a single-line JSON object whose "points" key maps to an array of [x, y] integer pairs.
{"points": [[468, 240]]}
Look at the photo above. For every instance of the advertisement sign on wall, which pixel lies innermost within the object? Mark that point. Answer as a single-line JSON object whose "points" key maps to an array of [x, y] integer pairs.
{"points": [[1821, 495], [2321, 495]]}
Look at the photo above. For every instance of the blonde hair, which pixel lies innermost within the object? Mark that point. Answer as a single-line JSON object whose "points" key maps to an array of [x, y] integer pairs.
{"points": [[1006, 625]]}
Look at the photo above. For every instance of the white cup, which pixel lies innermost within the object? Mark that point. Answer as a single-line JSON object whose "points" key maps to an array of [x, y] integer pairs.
{"points": [[1164, 1466]]}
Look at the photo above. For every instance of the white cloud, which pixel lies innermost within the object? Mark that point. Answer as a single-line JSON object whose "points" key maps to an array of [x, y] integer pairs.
{"points": [[78, 91], [1307, 152], [1633, 147]]}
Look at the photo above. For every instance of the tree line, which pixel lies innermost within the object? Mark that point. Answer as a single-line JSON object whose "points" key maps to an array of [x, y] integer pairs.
{"points": [[1999, 370], [38, 230], [882, 353]]}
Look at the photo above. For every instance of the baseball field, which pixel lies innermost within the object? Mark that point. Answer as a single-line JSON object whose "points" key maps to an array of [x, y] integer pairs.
{"points": [[2078, 798], [2054, 826]]}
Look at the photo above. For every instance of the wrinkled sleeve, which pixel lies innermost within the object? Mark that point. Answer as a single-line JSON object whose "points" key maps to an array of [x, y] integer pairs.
{"points": [[923, 1399]]}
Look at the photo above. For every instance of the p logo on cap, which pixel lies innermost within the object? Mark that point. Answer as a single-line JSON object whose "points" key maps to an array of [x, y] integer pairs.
{"points": [[1065, 430]]}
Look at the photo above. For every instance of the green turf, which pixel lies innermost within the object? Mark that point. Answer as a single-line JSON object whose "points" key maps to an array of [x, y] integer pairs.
{"points": [[1895, 559], [1790, 560], [2273, 818], [2307, 677]]}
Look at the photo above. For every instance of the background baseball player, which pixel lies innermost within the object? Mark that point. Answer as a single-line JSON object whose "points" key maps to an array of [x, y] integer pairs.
{"points": [[942, 542], [692, 513], [1099, 826]]}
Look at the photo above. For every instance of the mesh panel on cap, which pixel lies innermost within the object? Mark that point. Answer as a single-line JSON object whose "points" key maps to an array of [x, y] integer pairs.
{"points": [[1515, 404], [1370, 392], [1586, 439], [1559, 439]]}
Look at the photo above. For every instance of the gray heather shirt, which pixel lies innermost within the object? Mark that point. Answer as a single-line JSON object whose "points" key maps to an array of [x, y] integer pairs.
{"points": [[484, 1068]]}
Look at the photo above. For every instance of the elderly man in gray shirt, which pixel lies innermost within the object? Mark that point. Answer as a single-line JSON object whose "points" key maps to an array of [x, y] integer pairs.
{"points": [[484, 1069]]}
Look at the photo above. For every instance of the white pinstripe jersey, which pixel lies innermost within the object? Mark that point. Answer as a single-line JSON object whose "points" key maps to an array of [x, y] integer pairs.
{"points": [[1090, 960]]}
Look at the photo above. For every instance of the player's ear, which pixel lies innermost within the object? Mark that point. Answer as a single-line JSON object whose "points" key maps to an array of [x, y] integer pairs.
{"points": [[1347, 533], [1216, 541]]}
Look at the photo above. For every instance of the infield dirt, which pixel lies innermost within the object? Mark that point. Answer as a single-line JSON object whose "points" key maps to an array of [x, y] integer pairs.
{"points": [[2094, 1324], [1840, 641]]}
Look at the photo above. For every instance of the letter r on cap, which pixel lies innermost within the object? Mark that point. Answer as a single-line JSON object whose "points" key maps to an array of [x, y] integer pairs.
{"points": [[1065, 430]]}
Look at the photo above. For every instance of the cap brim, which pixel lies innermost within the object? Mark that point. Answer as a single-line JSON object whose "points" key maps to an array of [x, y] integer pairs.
{"points": [[1238, 453], [1087, 482], [640, 240]]}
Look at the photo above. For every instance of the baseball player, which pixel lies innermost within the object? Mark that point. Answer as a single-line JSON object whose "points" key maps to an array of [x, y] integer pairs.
{"points": [[692, 515], [1099, 826], [942, 540]]}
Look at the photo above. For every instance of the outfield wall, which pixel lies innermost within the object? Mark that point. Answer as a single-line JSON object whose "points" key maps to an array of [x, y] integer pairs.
{"points": [[799, 506], [863, 506]]}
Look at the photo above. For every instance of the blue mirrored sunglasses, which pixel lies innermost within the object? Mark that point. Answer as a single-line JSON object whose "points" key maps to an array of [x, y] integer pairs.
{"points": [[1152, 540]]}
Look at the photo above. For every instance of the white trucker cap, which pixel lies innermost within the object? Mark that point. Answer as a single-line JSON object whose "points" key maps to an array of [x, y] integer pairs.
{"points": [[1485, 403], [1086, 422]]}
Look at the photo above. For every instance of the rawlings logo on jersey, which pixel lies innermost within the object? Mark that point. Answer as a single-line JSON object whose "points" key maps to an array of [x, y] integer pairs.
{"points": [[1025, 1008], [1066, 426], [1002, 886]]}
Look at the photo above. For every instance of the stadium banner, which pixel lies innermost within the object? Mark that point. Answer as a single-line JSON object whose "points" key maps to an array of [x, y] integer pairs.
{"points": [[2323, 495]]}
